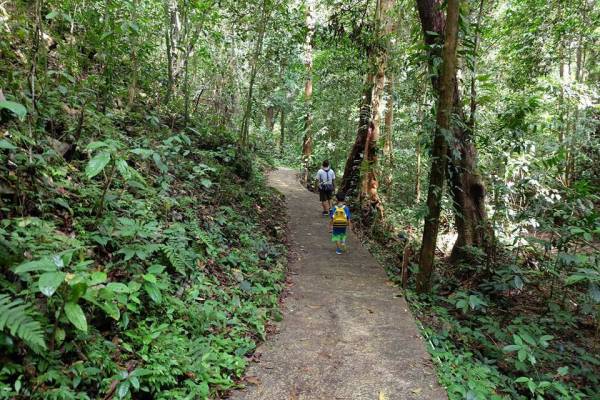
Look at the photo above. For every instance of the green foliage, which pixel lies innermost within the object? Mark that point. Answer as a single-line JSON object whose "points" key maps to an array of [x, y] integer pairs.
{"points": [[135, 249], [17, 317]]}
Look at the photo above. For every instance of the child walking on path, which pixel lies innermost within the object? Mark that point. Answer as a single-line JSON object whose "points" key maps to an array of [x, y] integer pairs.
{"points": [[339, 221]]}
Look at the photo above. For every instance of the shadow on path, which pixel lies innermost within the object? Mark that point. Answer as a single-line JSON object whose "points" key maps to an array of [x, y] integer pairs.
{"points": [[345, 334]]}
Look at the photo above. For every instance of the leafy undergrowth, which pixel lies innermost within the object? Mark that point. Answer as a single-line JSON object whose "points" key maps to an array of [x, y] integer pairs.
{"points": [[144, 268], [493, 335]]}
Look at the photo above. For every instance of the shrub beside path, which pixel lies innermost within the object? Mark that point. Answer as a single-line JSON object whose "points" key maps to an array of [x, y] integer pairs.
{"points": [[346, 333]]}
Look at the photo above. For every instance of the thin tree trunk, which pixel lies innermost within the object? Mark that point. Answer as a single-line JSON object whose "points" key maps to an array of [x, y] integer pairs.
{"points": [[169, 46], [134, 60], [418, 171], [307, 142], [253, 70], [440, 148], [36, 42], [388, 142], [570, 170], [282, 131], [473, 100], [418, 150]]}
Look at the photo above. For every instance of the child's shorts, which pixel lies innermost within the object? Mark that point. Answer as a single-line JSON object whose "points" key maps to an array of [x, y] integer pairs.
{"points": [[339, 235]]}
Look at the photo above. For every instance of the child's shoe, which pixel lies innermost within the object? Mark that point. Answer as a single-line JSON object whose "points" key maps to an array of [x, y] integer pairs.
{"points": [[338, 251]]}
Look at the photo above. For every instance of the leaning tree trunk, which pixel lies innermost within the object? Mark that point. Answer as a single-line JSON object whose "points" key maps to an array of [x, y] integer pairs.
{"points": [[351, 176], [466, 186], [365, 144], [307, 142], [439, 149]]}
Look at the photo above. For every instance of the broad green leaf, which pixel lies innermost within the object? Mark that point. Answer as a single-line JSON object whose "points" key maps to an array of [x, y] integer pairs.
{"points": [[97, 164], [50, 281], [44, 264], [135, 382], [59, 335], [77, 291], [63, 203], [117, 287], [124, 169], [159, 163], [544, 340], [123, 389], [527, 337], [511, 348], [96, 145], [111, 309], [573, 279], [153, 291], [75, 315], [156, 269], [52, 15], [594, 292], [6, 145], [518, 282], [517, 339], [97, 278], [18, 109], [150, 278], [207, 183]]}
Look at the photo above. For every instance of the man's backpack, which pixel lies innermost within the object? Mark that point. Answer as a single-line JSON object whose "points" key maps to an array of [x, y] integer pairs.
{"points": [[340, 219], [327, 186]]}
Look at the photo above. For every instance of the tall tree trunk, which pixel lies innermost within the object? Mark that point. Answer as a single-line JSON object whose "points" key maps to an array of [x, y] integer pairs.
{"points": [[270, 118], [307, 142], [473, 99], [466, 186], [365, 144], [36, 39], [134, 59], [418, 171], [384, 27], [258, 44], [388, 139], [418, 151], [169, 50], [282, 131], [186, 91], [350, 180], [570, 170], [440, 148]]}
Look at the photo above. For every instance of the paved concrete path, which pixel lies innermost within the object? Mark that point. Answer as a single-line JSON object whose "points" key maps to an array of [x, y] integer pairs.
{"points": [[345, 333]]}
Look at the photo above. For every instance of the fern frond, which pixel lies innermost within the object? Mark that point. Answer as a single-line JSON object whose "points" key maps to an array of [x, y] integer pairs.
{"points": [[15, 316], [179, 257]]}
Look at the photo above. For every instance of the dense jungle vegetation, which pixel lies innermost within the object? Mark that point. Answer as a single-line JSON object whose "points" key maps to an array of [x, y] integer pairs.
{"points": [[142, 254]]}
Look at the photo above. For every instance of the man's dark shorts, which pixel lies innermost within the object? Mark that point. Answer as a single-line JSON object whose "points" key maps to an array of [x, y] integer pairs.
{"points": [[325, 195]]}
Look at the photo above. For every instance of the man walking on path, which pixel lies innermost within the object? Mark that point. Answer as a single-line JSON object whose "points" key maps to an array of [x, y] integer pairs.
{"points": [[326, 178]]}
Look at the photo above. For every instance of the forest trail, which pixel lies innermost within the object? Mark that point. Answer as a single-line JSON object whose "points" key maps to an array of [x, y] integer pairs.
{"points": [[345, 333]]}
